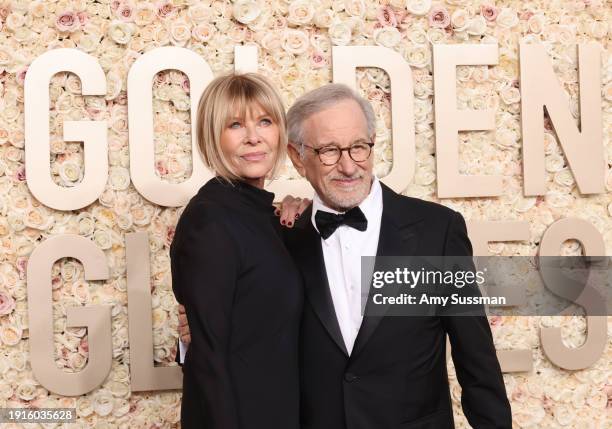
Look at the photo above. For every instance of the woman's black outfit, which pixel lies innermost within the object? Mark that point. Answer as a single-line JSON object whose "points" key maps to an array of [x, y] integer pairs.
{"points": [[243, 298]]}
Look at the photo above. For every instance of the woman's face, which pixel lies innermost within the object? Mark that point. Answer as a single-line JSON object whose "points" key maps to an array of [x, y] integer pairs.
{"points": [[250, 144]]}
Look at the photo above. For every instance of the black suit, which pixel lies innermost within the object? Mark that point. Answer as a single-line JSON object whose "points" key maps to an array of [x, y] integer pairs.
{"points": [[395, 377], [243, 298]]}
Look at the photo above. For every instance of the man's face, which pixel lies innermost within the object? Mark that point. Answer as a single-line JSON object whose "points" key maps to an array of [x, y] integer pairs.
{"points": [[347, 183]]}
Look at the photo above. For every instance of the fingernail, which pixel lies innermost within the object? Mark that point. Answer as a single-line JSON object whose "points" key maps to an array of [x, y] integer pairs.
{"points": [[290, 223], [283, 222], [297, 215], [277, 212]]}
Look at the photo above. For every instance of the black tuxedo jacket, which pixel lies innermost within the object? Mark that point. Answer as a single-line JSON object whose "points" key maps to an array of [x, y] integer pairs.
{"points": [[395, 377]]}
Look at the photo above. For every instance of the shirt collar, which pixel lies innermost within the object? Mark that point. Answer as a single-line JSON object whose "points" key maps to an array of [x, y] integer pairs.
{"points": [[371, 206]]}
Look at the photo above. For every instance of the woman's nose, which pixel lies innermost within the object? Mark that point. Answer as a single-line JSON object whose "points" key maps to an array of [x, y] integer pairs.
{"points": [[252, 134]]}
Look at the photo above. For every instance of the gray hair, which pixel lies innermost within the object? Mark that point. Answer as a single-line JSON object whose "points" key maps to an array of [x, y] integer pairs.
{"points": [[319, 99]]}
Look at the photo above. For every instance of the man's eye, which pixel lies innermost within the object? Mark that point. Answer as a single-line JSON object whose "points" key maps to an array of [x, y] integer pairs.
{"points": [[328, 150]]}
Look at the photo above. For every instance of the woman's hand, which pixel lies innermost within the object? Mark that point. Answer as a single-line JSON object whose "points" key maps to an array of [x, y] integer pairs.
{"points": [[290, 209], [183, 327]]}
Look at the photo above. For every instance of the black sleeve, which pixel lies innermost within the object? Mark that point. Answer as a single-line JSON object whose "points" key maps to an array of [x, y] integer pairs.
{"points": [[483, 397], [205, 265]]}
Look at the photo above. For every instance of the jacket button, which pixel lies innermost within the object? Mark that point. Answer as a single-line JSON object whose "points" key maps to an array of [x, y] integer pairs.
{"points": [[350, 377]]}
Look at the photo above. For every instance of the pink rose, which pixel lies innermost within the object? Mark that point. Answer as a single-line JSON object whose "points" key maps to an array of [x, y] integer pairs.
{"points": [[318, 60], [439, 17], [20, 174], [165, 9], [21, 263], [185, 85], [160, 167], [67, 21], [488, 11], [125, 12], [7, 304], [114, 5], [525, 15], [20, 75], [83, 17], [5, 10], [386, 17]]}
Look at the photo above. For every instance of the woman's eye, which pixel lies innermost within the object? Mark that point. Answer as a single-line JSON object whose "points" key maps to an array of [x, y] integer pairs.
{"points": [[234, 124], [266, 121]]}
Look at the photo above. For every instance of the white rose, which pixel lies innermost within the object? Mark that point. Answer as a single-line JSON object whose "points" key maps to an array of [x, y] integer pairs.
{"points": [[340, 33], [535, 24], [355, 8], [477, 26], [418, 7], [203, 32], [387, 36], [507, 18], [26, 390], [84, 406], [510, 95], [324, 18], [246, 11], [199, 12], [103, 402], [70, 172], [295, 41], [144, 14], [120, 32], [460, 20], [598, 29], [119, 178], [102, 238], [300, 12], [10, 335], [418, 55], [180, 32]]}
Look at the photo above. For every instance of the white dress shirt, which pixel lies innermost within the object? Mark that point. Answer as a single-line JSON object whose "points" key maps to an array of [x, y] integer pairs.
{"points": [[342, 252]]}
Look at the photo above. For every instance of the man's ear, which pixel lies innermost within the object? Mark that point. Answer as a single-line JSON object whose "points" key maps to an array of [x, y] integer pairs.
{"points": [[296, 159]]}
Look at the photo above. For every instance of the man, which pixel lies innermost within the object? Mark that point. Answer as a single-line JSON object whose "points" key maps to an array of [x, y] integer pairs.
{"points": [[375, 372]]}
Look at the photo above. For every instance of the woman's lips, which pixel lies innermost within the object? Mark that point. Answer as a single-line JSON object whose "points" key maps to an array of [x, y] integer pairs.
{"points": [[253, 156]]}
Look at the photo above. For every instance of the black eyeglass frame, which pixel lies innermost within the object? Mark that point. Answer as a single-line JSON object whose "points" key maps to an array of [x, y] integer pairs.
{"points": [[340, 150]]}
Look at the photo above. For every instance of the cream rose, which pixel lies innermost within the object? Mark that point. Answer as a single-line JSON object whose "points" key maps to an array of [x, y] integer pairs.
{"points": [[119, 178], [120, 32], [355, 8], [246, 11], [507, 18], [418, 7], [340, 33], [477, 26], [144, 14], [300, 12], [295, 41], [387, 36]]}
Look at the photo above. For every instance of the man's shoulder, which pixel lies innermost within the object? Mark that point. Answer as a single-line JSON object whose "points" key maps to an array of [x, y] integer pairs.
{"points": [[416, 207]]}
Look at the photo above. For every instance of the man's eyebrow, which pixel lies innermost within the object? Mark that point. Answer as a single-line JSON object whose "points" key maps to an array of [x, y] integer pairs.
{"points": [[333, 143]]}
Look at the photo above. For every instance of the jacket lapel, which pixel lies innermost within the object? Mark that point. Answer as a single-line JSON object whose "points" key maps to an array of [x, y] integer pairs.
{"points": [[399, 236], [310, 256]]}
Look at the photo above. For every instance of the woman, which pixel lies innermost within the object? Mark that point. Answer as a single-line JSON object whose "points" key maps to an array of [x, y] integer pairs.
{"points": [[231, 271]]}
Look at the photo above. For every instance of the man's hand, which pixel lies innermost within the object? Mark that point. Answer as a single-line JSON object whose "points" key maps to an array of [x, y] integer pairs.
{"points": [[290, 209], [184, 333]]}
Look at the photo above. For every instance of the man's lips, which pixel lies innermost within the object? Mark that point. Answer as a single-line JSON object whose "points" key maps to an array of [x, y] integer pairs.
{"points": [[346, 182], [253, 156]]}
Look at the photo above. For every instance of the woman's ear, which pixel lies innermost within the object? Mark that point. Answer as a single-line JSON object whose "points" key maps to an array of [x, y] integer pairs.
{"points": [[296, 159]]}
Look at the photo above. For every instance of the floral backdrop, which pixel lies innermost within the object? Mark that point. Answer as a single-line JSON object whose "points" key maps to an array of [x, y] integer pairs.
{"points": [[294, 40]]}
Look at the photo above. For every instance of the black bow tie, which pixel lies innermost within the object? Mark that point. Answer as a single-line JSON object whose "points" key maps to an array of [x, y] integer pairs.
{"points": [[328, 222]]}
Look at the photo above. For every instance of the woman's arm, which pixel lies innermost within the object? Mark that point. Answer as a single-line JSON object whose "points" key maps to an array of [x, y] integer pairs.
{"points": [[204, 266]]}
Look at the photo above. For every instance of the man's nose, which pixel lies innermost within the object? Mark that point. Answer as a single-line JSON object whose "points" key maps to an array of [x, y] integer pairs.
{"points": [[345, 164]]}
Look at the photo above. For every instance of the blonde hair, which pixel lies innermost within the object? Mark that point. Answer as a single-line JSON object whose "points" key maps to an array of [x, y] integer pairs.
{"points": [[223, 98]]}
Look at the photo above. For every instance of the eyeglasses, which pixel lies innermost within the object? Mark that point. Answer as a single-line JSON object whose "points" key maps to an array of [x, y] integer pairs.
{"points": [[330, 155]]}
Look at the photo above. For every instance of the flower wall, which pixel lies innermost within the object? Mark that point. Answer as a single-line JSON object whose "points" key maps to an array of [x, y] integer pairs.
{"points": [[294, 40]]}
